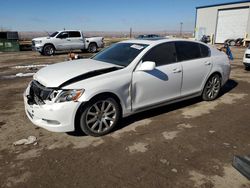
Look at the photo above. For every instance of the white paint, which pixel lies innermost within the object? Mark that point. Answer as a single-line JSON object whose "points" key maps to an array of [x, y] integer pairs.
{"points": [[170, 135], [130, 128], [184, 126], [138, 147]]}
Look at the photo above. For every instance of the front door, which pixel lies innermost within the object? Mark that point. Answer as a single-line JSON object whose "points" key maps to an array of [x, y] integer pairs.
{"points": [[62, 41], [161, 84]]}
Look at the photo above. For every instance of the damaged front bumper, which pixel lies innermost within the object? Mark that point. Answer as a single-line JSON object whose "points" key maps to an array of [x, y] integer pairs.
{"points": [[55, 117]]}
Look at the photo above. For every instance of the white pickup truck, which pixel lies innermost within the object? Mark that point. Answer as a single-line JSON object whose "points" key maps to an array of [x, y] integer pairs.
{"points": [[66, 40]]}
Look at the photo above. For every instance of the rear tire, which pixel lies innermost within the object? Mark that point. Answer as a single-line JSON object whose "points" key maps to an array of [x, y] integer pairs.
{"points": [[100, 116], [48, 50], [92, 48], [212, 88]]}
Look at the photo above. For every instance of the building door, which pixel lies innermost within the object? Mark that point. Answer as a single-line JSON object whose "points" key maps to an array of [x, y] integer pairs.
{"points": [[231, 24]]}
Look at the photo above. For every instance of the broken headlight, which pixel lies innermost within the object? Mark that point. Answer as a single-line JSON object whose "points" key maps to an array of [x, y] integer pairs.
{"points": [[69, 95]]}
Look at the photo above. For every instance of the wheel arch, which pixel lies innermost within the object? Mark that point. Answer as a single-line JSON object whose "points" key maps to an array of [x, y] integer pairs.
{"points": [[49, 44], [92, 42], [209, 76], [84, 104]]}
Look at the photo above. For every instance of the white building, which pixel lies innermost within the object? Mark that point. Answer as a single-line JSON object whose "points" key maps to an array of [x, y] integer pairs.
{"points": [[223, 21]]}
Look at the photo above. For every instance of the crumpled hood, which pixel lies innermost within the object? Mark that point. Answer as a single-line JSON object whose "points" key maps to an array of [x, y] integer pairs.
{"points": [[59, 73]]}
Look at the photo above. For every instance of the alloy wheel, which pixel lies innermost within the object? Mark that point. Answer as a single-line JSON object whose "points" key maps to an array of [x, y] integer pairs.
{"points": [[49, 50], [101, 116], [212, 87]]}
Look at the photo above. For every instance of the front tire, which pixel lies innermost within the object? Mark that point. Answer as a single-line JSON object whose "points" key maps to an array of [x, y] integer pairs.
{"points": [[48, 50], [212, 88], [100, 116]]}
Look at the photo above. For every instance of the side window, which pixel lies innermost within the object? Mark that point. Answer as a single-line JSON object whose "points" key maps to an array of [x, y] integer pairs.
{"points": [[74, 34], [63, 35], [162, 54], [187, 50], [205, 51]]}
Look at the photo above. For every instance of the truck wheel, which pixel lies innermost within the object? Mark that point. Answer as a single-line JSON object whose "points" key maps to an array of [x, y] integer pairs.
{"points": [[48, 50], [92, 48], [100, 116]]}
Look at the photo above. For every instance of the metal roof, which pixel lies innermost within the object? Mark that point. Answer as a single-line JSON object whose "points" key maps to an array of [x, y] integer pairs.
{"points": [[221, 4]]}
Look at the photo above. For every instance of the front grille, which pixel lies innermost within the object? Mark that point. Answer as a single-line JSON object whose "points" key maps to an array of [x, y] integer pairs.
{"points": [[38, 93], [247, 55]]}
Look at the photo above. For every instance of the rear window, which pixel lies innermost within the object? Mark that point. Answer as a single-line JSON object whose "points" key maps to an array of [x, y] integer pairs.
{"points": [[187, 50], [73, 34], [205, 51]]}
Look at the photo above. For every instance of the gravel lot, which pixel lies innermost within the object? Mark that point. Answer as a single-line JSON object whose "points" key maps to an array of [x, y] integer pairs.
{"points": [[188, 144]]}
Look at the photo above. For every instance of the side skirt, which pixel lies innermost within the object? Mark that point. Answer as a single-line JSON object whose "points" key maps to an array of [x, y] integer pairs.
{"points": [[164, 103]]}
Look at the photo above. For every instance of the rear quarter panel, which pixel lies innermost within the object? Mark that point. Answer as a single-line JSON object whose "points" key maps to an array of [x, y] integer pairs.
{"points": [[221, 64]]}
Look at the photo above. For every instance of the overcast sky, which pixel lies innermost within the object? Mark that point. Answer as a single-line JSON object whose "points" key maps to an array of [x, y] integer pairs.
{"points": [[100, 15]]}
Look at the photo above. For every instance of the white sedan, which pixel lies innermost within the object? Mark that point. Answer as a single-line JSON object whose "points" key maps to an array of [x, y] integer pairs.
{"points": [[246, 59], [92, 95]]}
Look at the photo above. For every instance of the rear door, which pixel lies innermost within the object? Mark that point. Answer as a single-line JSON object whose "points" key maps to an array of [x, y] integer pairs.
{"points": [[161, 84], [196, 64], [76, 40]]}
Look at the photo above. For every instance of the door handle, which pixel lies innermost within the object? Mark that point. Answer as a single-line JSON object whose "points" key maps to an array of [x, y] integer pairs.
{"points": [[207, 63], [176, 70]]}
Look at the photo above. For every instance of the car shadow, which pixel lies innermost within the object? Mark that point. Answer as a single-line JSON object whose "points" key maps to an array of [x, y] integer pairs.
{"points": [[158, 74], [230, 85]]}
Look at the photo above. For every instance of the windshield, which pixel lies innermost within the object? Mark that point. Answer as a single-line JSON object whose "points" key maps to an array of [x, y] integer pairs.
{"points": [[120, 54], [54, 34]]}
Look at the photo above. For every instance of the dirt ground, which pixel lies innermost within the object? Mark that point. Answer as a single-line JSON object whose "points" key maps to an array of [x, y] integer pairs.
{"points": [[188, 144]]}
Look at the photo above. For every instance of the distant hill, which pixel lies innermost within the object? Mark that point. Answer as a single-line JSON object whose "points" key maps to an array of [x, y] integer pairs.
{"points": [[28, 35]]}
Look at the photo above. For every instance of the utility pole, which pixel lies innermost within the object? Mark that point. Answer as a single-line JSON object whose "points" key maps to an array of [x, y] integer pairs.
{"points": [[130, 32], [181, 24]]}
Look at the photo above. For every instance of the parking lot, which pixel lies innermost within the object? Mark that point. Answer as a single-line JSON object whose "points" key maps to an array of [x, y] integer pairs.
{"points": [[188, 144]]}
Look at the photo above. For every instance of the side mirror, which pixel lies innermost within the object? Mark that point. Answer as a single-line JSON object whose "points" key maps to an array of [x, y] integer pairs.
{"points": [[147, 66]]}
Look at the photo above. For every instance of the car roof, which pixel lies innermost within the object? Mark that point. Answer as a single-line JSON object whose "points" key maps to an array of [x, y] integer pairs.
{"points": [[156, 41], [68, 30]]}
